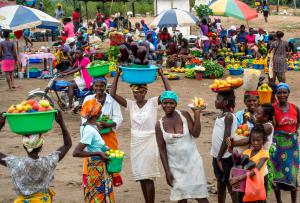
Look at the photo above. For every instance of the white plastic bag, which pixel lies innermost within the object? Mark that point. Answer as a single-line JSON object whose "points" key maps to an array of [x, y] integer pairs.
{"points": [[251, 79]]}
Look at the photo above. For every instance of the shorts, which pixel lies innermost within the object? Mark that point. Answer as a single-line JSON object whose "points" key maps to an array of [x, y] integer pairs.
{"points": [[8, 65], [80, 83], [227, 164], [266, 13]]}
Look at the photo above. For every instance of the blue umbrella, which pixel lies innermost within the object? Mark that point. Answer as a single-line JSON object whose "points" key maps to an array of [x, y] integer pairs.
{"points": [[21, 17], [174, 18]]}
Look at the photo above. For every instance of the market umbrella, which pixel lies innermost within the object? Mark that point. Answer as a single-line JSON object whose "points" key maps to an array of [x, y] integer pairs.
{"points": [[233, 8], [21, 17], [174, 18]]}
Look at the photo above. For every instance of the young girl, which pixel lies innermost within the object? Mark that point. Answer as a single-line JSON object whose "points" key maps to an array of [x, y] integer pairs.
{"points": [[225, 127], [257, 154]]}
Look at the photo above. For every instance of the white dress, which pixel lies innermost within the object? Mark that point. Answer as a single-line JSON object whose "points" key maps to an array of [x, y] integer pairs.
{"points": [[144, 150], [185, 164]]}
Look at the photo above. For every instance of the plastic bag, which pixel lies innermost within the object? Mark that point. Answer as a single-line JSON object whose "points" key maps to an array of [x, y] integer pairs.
{"points": [[251, 79], [255, 189]]}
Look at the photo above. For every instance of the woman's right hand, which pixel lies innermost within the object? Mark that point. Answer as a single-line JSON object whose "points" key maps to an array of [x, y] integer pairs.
{"points": [[229, 141], [170, 178]]}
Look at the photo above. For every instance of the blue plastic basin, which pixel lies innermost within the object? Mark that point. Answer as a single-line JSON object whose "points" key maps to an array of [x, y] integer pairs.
{"points": [[139, 75], [238, 71]]}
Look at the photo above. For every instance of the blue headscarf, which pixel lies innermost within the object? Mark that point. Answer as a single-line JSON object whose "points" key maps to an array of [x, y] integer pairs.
{"points": [[169, 95], [283, 86], [100, 79]]}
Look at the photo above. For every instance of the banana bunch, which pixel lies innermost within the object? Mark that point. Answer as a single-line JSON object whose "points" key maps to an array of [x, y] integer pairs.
{"points": [[190, 73]]}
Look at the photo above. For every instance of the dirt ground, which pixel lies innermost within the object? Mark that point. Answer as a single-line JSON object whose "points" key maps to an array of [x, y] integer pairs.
{"points": [[67, 182]]}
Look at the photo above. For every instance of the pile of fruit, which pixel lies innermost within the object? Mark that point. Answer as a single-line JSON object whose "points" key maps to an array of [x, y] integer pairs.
{"points": [[261, 61], [198, 103], [190, 73], [226, 85], [294, 65], [296, 56], [243, 130], [264, 88], [30, 106], [173, 76], [114, 153], [178, 70], [234, 66]]}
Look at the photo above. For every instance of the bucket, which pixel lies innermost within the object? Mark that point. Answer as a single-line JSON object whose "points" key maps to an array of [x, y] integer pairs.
{"points": [[198, 75], [20, 75], [237, 172], [115, 165], [264, 97]]}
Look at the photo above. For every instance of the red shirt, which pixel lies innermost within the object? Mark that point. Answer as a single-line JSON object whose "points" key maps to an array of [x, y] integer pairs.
{"points": [[286, 121], [75, 17]]}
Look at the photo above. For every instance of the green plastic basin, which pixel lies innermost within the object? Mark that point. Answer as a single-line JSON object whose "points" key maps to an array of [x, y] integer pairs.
{"points": [[115, 165], [98, 71], [31, 123]]}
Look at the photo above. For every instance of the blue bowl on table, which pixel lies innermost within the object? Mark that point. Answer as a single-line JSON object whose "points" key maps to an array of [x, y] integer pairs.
{"points": [[139, 75], [238, 71]]}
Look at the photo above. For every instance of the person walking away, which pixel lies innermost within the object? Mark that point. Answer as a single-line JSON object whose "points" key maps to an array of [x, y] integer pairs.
{"points": [[59, 12], [256, 154], [204, 29], [225, 126], [266, 10], [99, 182], [280, 48], [32, 175], [285, 159], [9, 58], [144, 150], [82, 82], [175, 135], [76, 19]]}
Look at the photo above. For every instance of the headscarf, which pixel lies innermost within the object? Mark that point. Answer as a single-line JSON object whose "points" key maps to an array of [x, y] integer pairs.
{"points": [[100, 79], [136, 87], [169, 95], [283, 86], [32, 142], [90, 108], [250, 93]]}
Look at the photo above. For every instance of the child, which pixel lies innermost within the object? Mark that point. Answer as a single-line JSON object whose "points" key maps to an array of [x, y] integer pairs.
{"points": [[256, 154], [225, 127], [263, 116]]}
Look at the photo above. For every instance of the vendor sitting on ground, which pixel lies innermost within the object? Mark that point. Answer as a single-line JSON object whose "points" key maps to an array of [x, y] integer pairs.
{"points": [[82, 82]]}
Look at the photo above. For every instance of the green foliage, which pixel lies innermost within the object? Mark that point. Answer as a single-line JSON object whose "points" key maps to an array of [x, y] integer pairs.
{"points": [[203, 11]]}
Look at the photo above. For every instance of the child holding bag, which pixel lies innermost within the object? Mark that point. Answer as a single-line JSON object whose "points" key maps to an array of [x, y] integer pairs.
{"points": [[255, 190]]}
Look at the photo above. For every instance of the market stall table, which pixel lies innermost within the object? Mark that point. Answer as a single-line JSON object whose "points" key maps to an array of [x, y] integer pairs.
{"points": [[24, 59]]}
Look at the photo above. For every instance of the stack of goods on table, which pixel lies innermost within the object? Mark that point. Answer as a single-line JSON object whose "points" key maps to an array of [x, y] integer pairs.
{"points": [[294, 61]]}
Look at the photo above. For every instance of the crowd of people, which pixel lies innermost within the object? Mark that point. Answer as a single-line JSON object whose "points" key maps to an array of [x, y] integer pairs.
{"points": [[272, 145]]}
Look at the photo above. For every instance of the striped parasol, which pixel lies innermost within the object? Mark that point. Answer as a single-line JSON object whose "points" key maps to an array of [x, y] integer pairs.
{"points": [[174, 18], [233, 8]]}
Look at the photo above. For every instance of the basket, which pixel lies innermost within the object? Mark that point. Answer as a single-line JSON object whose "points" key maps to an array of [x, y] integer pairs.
{"points": [[31, 123], [238, 71], [139, 75], [99, 70], [264, 97], [115, 165], [237, 172]]}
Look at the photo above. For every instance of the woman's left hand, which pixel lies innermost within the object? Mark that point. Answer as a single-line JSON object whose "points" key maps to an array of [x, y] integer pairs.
{"points": [[235, 182], [104, 124]]}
